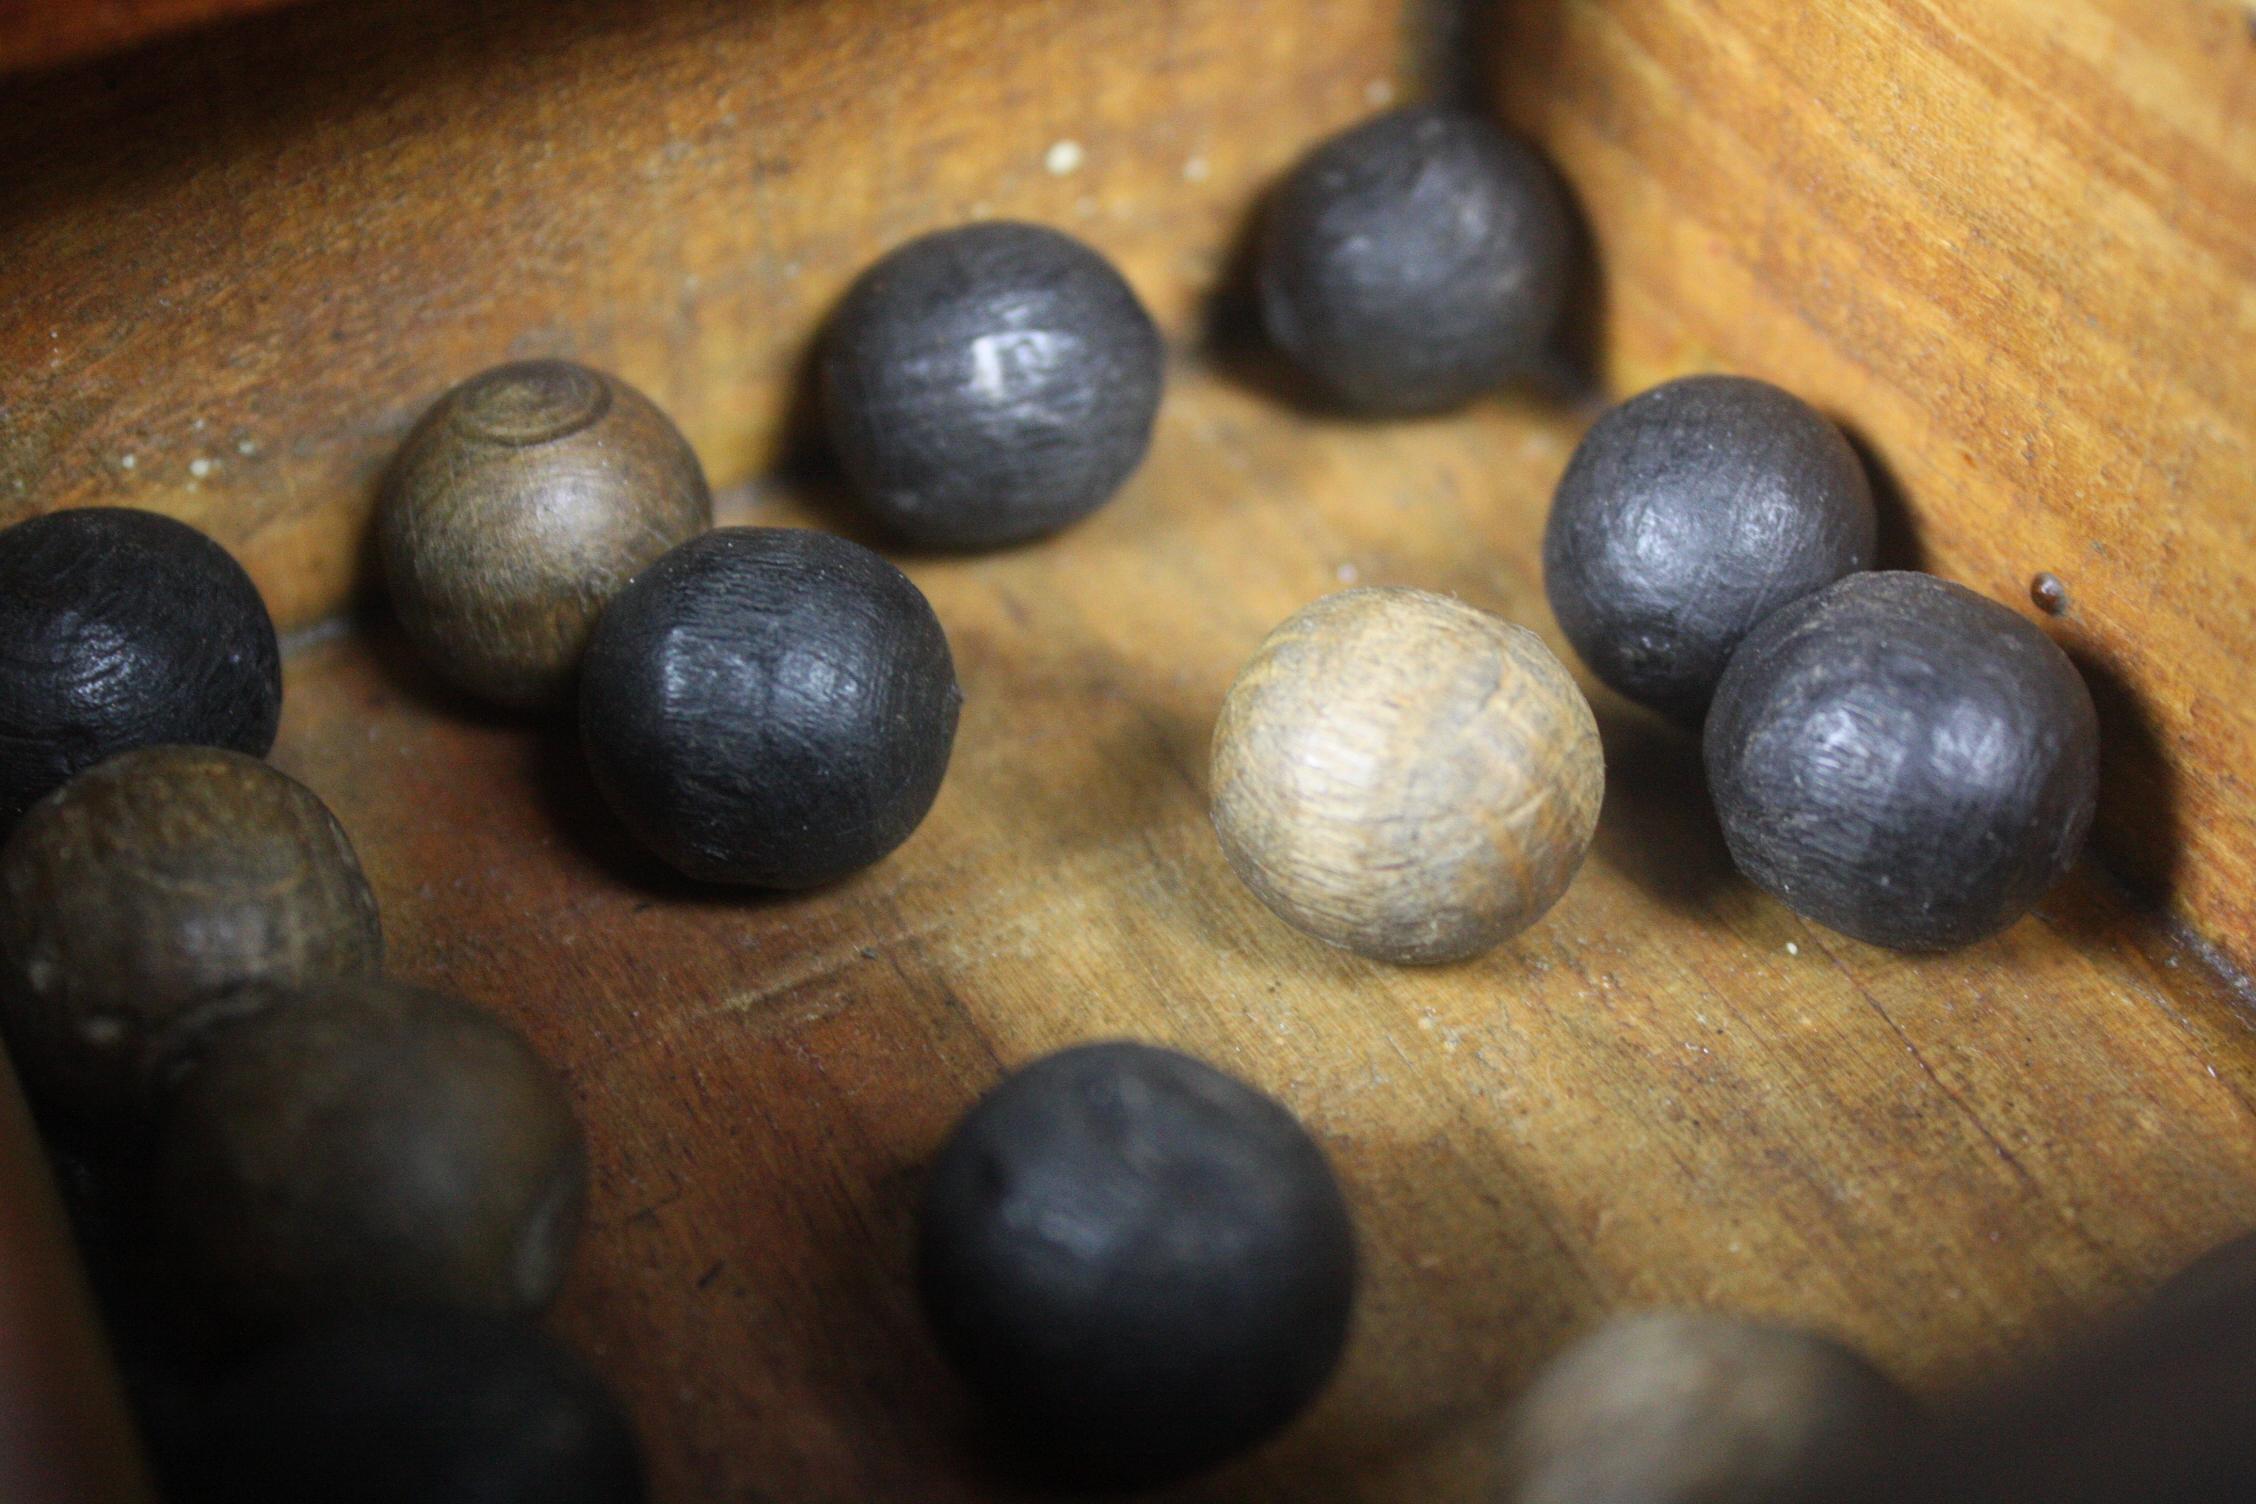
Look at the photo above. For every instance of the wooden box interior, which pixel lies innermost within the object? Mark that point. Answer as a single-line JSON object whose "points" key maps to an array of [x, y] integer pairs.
{"points": [[2010, 244]]}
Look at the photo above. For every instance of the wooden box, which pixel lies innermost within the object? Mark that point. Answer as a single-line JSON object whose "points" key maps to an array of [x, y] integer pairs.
{"points": [[2010, 244]]}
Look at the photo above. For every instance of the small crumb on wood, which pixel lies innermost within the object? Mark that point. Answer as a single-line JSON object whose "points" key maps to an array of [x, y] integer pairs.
{"points": [[1792, 949], [199, 467], [1063, 157], [128, 461], [2049, 594]]}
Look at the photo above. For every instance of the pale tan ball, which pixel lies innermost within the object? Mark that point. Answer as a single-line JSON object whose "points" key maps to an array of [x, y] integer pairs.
{"points": [[1401, 774]]}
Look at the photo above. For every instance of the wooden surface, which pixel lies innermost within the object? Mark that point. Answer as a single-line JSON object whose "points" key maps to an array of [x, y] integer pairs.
{"points": [[2013, 244], [1671, 1090], [64, 1432], [44, 33], [351, 206]]}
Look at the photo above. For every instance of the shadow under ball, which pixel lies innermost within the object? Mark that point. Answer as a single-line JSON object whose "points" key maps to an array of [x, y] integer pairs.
{"points": [[518, 506], [1140, 1265], [151, 882], [770, 706], [1400, 774], [1678, 1407], [361, 1144], [123, 629], [1903, 760], [1415, 261], [989, 384], [1688, 514], [433, 1406]]}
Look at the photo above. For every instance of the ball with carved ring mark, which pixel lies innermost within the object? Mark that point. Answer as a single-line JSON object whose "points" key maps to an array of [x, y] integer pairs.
{"points": [[519, 505]]}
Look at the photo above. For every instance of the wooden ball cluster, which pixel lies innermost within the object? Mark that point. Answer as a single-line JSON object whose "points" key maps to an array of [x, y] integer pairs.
{"points": [[1406, 776], [190, 970], [1890, 754], [1139, 1265]]}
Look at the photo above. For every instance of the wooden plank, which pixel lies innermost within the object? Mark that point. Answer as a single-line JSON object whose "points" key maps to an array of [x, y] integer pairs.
{"points": [[1672, 1090], [2013, 244], [63, 1429], [234, 317], [44, 33]]}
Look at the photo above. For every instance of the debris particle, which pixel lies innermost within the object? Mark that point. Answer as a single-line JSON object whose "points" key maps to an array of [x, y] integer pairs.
{"points": [[199, 467], [1063, 157]]}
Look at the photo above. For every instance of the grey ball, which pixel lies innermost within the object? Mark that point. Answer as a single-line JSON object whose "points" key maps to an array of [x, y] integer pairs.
{"points": [[1414, 261], [989, 384], [1687, 515], [1903, 760], [1141, 1265]]}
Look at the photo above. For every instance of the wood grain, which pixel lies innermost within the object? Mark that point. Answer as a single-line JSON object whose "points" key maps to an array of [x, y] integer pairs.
{"points": [[351, 207], [1672, 1090], [2009, 243]]}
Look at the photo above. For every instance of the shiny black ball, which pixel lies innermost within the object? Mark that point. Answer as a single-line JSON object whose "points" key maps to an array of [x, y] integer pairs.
{"points": [[1415, 261], [1689, 514], [1140, 1265], [769, 706], [123, 629], [1903, 760], [989, 384]]}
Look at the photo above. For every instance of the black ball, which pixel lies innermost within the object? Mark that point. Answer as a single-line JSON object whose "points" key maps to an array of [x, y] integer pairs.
{"points": [[1141, 1265], [1903, 760], [771, 706], [989, 384], [438, 1407], [1415, 261], [123, 629], [1688, 515]]}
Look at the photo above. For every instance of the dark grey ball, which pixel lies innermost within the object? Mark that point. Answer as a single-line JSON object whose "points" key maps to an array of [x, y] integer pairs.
{"points": [[1141, 1265], [770, 706], [989, 384], [122, 629], [1689, 514], [1414, 261], [1903, 760], [435, 1406]]}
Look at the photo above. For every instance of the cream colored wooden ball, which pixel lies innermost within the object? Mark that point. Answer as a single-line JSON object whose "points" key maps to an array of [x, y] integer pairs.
{"points": [[1401, 774]]}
